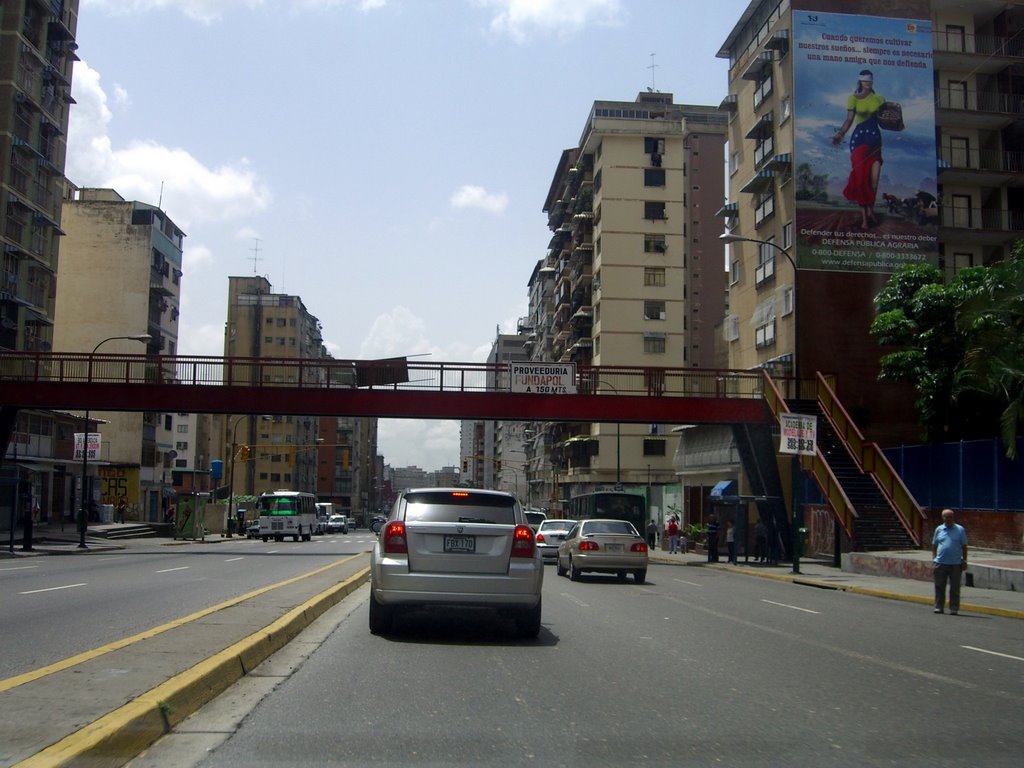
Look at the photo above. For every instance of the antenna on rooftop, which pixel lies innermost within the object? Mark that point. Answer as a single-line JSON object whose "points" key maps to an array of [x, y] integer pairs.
{"points": [[652, 67], [255, 255], [160, 200]]}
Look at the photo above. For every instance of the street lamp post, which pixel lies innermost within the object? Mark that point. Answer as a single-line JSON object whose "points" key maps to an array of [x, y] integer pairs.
{"points": [[618, 440], [145, 338], [798, 513], [231, 470]]}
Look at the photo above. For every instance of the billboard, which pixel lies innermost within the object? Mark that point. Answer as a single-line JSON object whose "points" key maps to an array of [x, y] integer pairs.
{"points": [[864, 162]]}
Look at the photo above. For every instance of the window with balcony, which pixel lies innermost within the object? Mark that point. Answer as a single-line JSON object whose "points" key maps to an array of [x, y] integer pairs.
{"points": [[654, 310], [764, 335], [654, 211], [655, 244]]}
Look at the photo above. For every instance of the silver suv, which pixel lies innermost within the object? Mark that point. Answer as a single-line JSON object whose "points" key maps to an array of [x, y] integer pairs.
{"points": [[456, 547]]}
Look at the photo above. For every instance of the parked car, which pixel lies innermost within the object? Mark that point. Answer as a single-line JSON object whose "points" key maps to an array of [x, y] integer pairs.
{"points": [[456, 547], [550, 534], [337, 524], [252, 531], [377, 523], [603, 546]]}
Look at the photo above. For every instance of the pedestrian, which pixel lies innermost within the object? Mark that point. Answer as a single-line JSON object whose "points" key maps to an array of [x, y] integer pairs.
{"points": [[652, 534], [713, 530], [760, 541], [672, 531], [949, 550], [730, 542], [122, 507]]}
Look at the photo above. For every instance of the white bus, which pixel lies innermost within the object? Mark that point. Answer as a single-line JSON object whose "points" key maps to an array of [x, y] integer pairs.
{"points": [[286, 513]]}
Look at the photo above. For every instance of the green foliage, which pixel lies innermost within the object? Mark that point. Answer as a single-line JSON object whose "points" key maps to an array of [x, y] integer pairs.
{"points": [[960, 345]]}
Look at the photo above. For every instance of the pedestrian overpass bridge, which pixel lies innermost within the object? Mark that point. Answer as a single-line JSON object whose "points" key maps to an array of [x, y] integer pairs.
{"points": [[870, 502], [392, 388]]}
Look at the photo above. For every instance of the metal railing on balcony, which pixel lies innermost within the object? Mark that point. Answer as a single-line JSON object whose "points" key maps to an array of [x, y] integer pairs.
{"points": [[996, 219], [956, 41], [979, 101], [982, 159]]}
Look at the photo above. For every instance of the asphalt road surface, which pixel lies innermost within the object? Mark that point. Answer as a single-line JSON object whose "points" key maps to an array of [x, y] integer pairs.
{"points": [[56, 606], [697, 667]]}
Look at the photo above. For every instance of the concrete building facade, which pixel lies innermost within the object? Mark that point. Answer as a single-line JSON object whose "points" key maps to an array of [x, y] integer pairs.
{"points": [[120, 276]]}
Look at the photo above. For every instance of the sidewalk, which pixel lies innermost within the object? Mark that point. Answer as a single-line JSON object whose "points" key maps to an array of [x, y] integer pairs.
{"points": [[815, 573]]}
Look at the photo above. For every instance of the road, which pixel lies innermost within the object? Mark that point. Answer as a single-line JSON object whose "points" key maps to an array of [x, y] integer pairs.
{"points": [[697, 667], [54, 607]]}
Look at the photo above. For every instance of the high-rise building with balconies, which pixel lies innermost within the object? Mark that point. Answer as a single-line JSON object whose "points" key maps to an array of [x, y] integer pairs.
{"points": [[633, 276]]}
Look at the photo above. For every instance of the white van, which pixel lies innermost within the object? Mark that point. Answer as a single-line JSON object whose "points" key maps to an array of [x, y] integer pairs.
{"points": [[324, 510]]}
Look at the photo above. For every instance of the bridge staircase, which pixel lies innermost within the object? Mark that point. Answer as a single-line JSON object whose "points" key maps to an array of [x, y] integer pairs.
{"points": [[757, 445], [868, 498]]}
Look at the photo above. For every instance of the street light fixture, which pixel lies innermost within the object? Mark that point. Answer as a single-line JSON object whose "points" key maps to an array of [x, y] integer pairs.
{"points": [[83, 522], [798, 514]]}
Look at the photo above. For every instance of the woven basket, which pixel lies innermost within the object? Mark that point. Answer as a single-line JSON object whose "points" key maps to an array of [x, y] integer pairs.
{"points": [[890, 116]]}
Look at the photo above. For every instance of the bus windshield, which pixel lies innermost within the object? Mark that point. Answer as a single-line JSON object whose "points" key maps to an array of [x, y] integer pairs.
{"points": [[279, 506]]}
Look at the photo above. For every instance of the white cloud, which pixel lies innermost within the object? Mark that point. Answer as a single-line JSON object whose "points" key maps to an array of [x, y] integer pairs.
{"points": [[469, 196], [195, 256], [145, 170], [519, 18]]}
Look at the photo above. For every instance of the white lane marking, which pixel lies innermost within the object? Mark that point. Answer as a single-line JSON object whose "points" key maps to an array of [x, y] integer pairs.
{"points": [[52, 589], [19, 568], [233, 559], [691, 583], [784, 605], [992, 653], [179, 568], [575, 599], [273, 551]]}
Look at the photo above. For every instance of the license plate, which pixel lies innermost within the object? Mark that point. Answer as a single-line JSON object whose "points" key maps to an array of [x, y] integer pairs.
{"points": [[460, 544], [613, 547]]}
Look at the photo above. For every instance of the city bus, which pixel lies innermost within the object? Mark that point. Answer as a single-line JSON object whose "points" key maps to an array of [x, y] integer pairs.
{"points": [[286, 513], [613, 505]]}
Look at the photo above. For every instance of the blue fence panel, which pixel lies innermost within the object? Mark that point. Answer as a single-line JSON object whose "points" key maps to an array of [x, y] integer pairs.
{"points": [[973, 474]]}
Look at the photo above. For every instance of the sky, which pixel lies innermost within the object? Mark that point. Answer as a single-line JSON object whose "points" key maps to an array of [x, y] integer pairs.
{"points": [[385, 160]]}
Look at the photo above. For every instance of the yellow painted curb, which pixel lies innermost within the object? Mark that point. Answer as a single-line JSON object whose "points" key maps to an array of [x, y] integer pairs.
{"points": [[128, 730]]}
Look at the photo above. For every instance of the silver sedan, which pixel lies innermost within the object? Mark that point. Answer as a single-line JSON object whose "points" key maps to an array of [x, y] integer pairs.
{"points": [[603, 546], [550, 534], [456, 547]]}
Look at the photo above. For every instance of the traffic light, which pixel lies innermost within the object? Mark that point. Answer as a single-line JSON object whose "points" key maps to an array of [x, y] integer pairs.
{"points": [[497, 465], [243, 453], [465, 464]]}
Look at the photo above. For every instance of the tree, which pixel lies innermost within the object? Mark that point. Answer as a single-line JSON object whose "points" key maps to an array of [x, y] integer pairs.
{"points": [[926, 322], [994, 362]]}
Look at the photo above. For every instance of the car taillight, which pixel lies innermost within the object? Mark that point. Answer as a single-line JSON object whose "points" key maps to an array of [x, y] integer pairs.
{"points": [[522, 541], [638, 547], [394, 539], [540, 536], [588, 546]]}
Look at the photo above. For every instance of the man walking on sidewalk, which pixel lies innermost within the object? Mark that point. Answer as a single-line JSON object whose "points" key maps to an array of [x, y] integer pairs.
{"points": [[949, 551]]}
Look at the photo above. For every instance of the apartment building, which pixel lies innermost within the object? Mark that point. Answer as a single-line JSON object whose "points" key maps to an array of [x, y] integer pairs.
{"points": [[282, 450], [633, 276], [37, 53], [120, 276], [346, 466], [949, 189]]}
